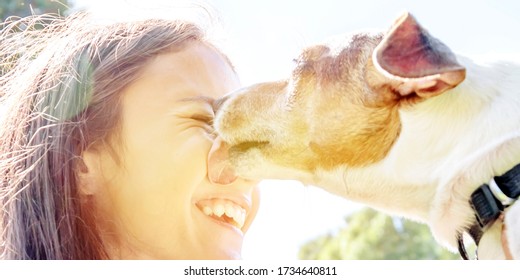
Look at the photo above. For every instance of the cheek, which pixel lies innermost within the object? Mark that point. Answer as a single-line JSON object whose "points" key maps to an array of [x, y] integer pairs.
{"points": [[179, 160], [157, 179], [189, 157]]}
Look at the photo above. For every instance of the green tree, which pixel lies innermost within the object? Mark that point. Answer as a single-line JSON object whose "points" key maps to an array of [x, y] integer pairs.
{"points": [[371, 235], [24, 8]]}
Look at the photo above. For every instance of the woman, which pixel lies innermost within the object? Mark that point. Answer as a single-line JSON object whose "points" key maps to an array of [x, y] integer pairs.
{"points": [[104, 139]]}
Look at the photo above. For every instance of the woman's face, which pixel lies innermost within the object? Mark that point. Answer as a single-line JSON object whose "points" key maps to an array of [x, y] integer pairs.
{"points": [[157, 202]]}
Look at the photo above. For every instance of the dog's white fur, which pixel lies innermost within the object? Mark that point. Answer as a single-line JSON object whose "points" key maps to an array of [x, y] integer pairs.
{"points": [[482, 117], [447, 146]]}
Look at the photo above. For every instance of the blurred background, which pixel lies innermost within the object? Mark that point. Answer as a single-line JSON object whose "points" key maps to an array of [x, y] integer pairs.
{"points": [[262, 38]]}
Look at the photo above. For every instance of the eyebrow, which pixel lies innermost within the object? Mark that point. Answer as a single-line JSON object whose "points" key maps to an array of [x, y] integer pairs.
{"points": [[204, 100]]}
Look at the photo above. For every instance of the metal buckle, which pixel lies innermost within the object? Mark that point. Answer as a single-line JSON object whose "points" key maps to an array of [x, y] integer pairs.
{"points": [[462, 248]]}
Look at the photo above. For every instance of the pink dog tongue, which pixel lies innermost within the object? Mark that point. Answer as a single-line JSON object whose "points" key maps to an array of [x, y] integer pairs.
{"points": [[220, 170]]}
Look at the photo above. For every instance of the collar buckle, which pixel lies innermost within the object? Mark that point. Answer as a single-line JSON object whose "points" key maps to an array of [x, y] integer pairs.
{"points": [[486, 205], [489, 201]]}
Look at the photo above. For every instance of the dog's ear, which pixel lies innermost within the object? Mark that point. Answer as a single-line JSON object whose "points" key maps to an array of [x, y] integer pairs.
{"points": [[416, 62]]}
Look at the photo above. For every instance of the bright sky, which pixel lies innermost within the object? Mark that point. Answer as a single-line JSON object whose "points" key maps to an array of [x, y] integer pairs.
{"points": [[262, 38]]}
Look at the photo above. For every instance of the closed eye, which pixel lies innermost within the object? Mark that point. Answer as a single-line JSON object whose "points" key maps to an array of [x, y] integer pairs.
{"points": [[208, 119]]}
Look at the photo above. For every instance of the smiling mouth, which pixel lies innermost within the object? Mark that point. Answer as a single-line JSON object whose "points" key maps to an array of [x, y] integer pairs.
{"points": [[224, 211]]}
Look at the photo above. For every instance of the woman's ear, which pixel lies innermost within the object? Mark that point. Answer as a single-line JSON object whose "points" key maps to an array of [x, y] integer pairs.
{"points": [[89, 172]]}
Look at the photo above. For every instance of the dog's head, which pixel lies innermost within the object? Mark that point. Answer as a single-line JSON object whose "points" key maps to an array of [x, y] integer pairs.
{"points": [[339, 107]]}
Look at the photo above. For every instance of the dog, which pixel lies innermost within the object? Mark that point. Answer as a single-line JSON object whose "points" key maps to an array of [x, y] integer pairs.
{"points": [[394, 120]]}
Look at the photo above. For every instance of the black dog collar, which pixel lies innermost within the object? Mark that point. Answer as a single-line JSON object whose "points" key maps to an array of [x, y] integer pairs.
{"points": [[488, 203]]}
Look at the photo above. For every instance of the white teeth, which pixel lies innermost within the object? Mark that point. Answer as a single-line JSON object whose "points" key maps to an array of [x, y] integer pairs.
{"points": [[240, 217], [219, 210], [207, 210], [231, 210]]}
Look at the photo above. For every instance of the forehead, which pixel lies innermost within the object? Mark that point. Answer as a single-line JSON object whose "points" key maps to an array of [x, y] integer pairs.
{"points": [[196, 70]]}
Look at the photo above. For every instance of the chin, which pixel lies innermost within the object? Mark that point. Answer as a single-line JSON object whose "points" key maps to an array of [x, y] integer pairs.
{"points": [[227, 254]]}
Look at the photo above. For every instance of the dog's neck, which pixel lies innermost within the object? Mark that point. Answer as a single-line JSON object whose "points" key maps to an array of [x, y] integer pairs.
{"points": [[377, 186], [439, 138]]}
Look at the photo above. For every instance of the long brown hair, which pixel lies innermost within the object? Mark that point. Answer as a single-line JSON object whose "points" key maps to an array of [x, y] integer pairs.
{"points": [[59, 86]]}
